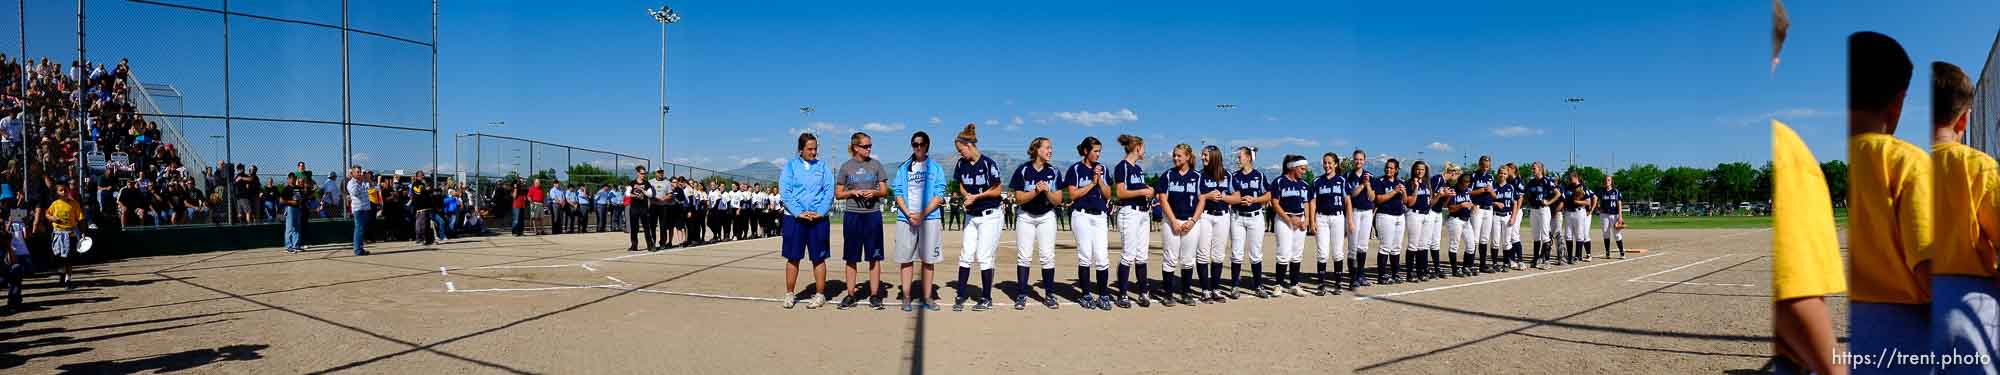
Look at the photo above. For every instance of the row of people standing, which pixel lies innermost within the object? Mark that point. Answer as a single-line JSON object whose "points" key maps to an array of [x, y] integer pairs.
{"points": [[1412, 221], [677, 211]]}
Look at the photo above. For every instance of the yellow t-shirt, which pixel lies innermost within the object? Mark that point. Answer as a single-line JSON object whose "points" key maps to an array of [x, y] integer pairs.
{"points": [[1805, 248], [1889, 219], [65, 213], [1967, 211]]}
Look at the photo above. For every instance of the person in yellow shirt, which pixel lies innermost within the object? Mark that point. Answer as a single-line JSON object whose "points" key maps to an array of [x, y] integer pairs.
{"points": [[1805, 259], [1889, 199], [1965, 318], [63, 215]]}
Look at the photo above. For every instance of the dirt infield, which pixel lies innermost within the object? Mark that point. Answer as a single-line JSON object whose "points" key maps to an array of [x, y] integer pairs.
{"points": [[1697, 302]]}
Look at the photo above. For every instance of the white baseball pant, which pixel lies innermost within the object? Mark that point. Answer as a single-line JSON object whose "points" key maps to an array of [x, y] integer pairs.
{"points": [[1247, 232], [1389, 228], [1538, 220], [1364, 228], [1037, 234], [1180, 247], [1214, 238], [1091, 246], [1482, 224], [1580, 219], [981, 238], [1458, 235], [1134, 231], [1512, 230], [1291, 242], [1332, 238], [1433, 227], [1609, 223]]}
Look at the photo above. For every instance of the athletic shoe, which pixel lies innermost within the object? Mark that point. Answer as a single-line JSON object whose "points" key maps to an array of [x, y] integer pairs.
{"points": [[816, 301], [875, 303], [788, 300], [1167, 301], [1051, 303], [906, 306], [1319, 291], [1187, 300], [846, 303], [1124, 304], [958, 305], [1020, 303], [1263, 294], [1142, 301], [1233, 294], [930, 306], [984, 304]]}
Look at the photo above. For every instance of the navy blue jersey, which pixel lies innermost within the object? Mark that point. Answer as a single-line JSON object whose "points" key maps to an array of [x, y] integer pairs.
{"points": [[1504, 197], [1291, 194], [1128, 176], [1422, 190], [1538, 189], [1085, 176], [1329, 195], [1482, 180], [1355, 182], [1438, 186], [1452, 206], [976, 177], [1026, 177], [1183, 191], [1607, 203], [1393, 207], [1581, 194], [1250, 185], [1213, 185]]}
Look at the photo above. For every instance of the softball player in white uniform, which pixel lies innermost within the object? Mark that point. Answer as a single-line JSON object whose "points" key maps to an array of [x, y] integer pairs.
{"points": [[1036, 186], [1329, 212], [1361, 186], [1247, 233], [1088, 186], [1434, 226], [1291, 193], [1458, 226], [1416, 222], [1609, 215], [1540, 196], [1581, 202], [1507, 215], [1389, 210], [1214, 224], [1182, 234], [979, 182], [1482, 214], [1134, 205]]}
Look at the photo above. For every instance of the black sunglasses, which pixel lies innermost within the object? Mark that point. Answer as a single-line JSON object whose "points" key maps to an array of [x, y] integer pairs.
{"points": [[919, 144], [866, 146]]}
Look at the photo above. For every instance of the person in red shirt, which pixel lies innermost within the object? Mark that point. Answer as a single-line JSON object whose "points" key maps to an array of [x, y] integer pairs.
{"points": [[535, 199], [520, 208]]}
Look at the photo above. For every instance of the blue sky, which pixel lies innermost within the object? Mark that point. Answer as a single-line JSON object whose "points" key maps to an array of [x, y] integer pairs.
{"points": [[1671, 83]]}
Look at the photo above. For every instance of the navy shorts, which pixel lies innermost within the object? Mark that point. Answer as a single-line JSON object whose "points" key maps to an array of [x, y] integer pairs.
{"points": [[861, 241], [807, 239]]}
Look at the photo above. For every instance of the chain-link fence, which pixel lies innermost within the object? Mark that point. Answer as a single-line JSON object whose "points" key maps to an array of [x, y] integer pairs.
{"points": [[486, 160], [163, 101], [1984, 132]]}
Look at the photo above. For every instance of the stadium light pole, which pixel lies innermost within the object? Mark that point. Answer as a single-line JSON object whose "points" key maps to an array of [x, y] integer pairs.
{"points": [[1573, 102], [665, 16]]}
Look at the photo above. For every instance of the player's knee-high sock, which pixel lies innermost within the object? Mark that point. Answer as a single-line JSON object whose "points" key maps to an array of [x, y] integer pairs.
{"points": [[1187, 277], [1166, 281], [1217, 284], [964, 276], [1257, 275], [1454, 264], [1145, 280], [1026, 286], [1320, 277], [1437, 269], [1048, 284], [986, 284], [1082, 281], [1102, 275], [1124, 273], [1337, 273], [1297, 273], [1278, 275], [1587, 245], [1235, 275], [1621, 248]]}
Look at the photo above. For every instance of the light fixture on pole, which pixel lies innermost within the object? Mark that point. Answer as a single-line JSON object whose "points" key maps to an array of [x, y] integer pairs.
{"points": [[665, 16]]}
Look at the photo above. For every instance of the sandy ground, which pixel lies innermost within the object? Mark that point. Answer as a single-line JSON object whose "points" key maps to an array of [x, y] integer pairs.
{"points": [[1696, 303]]}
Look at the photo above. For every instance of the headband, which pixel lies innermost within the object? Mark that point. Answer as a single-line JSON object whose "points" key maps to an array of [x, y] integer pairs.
{"points": [[968, 141], [1295, 164]]}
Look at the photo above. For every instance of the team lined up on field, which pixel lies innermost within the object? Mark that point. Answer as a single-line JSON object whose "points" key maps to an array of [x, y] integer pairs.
{"points": [[1458, 221]]}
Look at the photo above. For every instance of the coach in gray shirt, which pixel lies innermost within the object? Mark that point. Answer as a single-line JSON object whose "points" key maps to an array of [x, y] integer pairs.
{"points": [[860, 186]]}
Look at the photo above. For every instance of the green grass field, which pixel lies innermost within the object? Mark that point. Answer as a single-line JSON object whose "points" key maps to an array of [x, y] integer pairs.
{"points": [[1710, 222]]}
